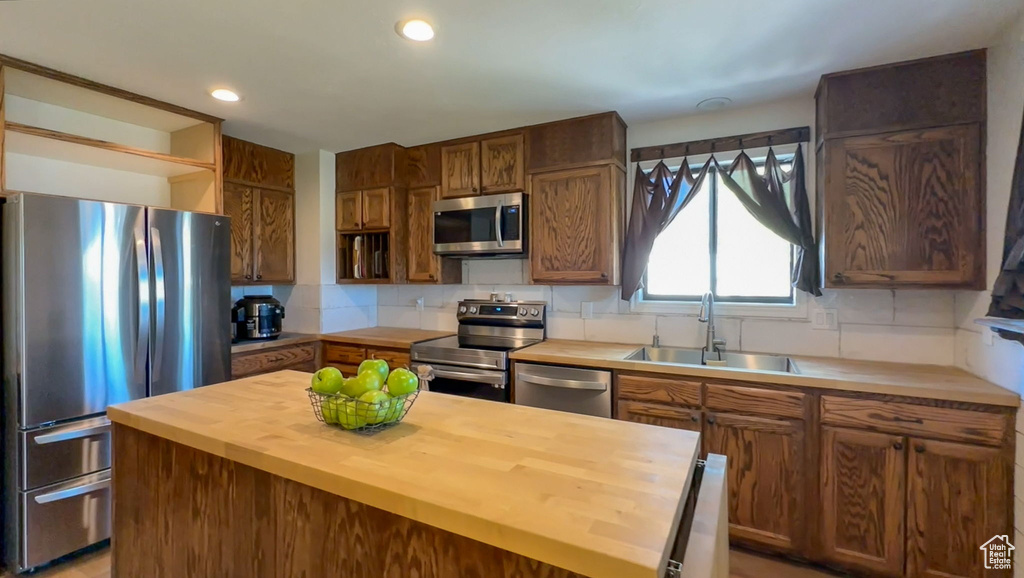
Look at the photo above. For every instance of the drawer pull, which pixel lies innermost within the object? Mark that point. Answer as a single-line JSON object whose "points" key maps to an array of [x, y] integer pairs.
{"points": [[919, 448], [694, 418], [897, 446], [899, 419], [73, 434]]}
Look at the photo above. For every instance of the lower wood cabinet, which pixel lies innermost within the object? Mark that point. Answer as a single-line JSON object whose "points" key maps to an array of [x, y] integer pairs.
{"points": [[765, 477], [658, 414], [347, 357], [864, 499], [303, 357]]}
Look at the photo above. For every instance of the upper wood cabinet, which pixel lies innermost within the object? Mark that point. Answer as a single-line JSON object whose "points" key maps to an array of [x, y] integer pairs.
{"points": [[369, 168], [588, 140], [501, 162], [900, 174], [348, 209], [575, 225], [423, 263], [423, 166], [958, 497], [460, 170], [363, 210], [260, 199], [864, 499]]}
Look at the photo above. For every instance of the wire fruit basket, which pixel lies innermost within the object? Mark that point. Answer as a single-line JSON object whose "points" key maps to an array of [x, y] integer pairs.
{"points": [[362, 416]]}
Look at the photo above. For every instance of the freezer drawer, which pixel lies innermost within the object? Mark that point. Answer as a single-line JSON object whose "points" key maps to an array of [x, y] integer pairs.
{"points": [[64, 517], [57, 453]]}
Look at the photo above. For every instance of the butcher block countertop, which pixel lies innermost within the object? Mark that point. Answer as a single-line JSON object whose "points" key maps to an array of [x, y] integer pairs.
{"points": [[283, 340], [395, 337], [596, 496], [924, 381]]}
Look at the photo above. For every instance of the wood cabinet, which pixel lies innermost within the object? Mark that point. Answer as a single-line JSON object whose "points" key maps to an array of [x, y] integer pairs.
{"points": [[576, 142], [348, 209], [423, 265], [957, 499], [502, 164], [299, 357], [575, 225], [765, 477], [347, 356], [660, 414], [262, 234], [363, 210], [901, 173], [460, 170], [864, 499], [259, 197]]}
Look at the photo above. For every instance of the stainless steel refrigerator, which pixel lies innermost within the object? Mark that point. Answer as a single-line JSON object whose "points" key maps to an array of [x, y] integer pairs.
{"points": [[102, 303]]}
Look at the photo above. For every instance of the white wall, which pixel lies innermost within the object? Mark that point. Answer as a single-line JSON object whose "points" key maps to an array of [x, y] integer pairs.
{"points": [[42, 175], [997, 360]]}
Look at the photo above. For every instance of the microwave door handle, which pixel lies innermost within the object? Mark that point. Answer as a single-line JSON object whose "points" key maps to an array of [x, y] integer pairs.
{"points": [[497, 224]]}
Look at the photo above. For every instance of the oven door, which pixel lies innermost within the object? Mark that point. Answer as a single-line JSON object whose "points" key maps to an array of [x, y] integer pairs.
{"points": [[468, 382], [491, 224]]}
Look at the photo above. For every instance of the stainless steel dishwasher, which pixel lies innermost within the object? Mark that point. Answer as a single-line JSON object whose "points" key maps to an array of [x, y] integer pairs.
{"points": [[586, 391]]}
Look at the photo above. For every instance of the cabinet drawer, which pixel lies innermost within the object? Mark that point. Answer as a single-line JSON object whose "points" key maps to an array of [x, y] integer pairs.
{"points": [[658, 389], [657, 414], [910, 419], [300, 357], [346, 370], [736, 398], [343, 354], [394, 357]]}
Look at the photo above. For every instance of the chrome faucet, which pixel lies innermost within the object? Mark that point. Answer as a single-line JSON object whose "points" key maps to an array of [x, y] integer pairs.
{"points": [[707, 315]]}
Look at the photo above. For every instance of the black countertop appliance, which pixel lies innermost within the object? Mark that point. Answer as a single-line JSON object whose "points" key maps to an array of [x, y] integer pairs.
{"points": [[257, 317]]}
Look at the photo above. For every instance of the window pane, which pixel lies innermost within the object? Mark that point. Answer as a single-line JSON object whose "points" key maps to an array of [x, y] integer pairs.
{"points": [[752, 260], [680, 262]]}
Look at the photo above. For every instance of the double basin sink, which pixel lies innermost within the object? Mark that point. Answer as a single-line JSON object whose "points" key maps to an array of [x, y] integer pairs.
{"points": [[683, 356]]}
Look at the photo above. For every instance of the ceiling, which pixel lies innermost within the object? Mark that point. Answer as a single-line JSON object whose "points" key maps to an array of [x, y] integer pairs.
{"points": [[333, 74]]}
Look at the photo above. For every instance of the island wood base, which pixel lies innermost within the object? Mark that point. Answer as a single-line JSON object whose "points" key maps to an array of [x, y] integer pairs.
{"points": [[180, 513]]}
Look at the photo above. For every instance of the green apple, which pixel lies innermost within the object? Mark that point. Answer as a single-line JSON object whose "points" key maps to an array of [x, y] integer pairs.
{"points": [[378, 365], [362, 383], [375, 406], [402, 381], [327, 380], [394, 410], [348, 415], [329, 409]]}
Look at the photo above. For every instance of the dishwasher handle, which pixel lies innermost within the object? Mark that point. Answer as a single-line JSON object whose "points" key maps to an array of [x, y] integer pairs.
{"points": [[563, 383]]}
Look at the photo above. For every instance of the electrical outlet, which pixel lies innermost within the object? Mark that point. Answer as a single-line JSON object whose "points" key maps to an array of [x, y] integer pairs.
{"points": [[587, 310], [825, 319], [419, 304]]}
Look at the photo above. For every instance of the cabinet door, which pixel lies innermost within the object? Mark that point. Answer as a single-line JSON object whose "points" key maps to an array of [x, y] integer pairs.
{"points": [[766, 477], [376, 208], [958, 497], [460, 170], [423, 264], [571, 226], [502, 165], [348, 209], [238, 204], [904, 209], [864, 499], [657, 414], [274, 248]]}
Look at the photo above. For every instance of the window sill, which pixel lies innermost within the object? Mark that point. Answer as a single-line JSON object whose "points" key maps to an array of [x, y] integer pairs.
{"points": [[797, 310]]}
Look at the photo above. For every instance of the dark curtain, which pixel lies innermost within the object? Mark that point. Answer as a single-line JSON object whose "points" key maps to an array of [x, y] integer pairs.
{"points": [[1008, 291], [658, 197], [778, 200]]}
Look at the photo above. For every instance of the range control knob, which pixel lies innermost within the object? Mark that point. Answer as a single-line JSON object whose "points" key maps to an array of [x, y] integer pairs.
{"points": [[534, 312], [462, 309], [522, 311], [472, 310]]}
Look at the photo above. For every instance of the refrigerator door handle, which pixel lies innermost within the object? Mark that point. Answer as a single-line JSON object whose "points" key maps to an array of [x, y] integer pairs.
{"points": [[73, 434], [159, 283], [142, 337], [72, 492]]}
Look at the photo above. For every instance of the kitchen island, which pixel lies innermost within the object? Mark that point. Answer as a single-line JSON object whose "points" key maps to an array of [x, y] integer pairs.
{"points": [[239, 479]]}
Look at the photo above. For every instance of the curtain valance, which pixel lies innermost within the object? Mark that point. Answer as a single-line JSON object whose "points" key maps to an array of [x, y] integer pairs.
{"points": [[777, 199]]}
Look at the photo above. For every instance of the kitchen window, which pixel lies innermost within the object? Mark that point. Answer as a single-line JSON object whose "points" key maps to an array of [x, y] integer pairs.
{"points": [[715, 245]]}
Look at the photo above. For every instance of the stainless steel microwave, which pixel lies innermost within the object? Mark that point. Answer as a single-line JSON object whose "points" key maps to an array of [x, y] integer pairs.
{"points": [[484, 226]]}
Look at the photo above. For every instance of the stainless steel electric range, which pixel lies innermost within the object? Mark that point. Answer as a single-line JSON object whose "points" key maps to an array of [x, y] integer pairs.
{"points": [[475, 363]]}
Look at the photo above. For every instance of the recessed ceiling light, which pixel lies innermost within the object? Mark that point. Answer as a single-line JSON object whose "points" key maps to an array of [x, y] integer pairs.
{"points": [[225, 95], [714, 103], [418, 30]]}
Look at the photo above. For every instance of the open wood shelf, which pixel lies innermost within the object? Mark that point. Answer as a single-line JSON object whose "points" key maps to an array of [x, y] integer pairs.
{"points": [[375, 257], [56, 145]]}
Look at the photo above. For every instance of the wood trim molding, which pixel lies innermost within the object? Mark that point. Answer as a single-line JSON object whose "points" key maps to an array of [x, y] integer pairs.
{"points": [[102, 144], [245, 183], [793, 135], [110, 90]]}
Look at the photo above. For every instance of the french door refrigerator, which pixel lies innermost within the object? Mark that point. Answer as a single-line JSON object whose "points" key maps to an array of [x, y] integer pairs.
{"points": [[102, 303]]}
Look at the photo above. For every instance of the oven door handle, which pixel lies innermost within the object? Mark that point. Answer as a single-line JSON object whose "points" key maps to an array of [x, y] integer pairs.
{"points": [[469, 376], [564, 383]]}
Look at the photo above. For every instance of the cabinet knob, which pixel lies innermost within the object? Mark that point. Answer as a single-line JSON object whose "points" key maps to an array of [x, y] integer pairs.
{"points": [[839, 278], [897, 446], [604, 275], [711, 419], [248, 276], [919, 448], [431, 276], [259, 276], [694, 418]]}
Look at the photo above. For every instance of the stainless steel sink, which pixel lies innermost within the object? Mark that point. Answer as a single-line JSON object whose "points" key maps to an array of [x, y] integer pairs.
{"points": [[683, 356]]}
